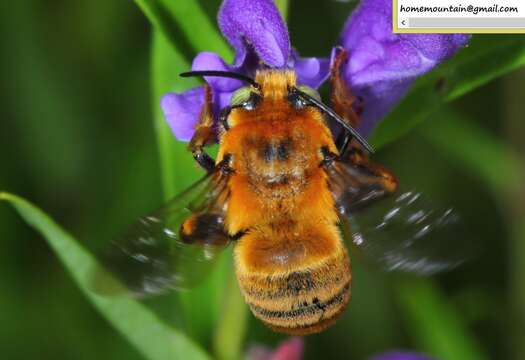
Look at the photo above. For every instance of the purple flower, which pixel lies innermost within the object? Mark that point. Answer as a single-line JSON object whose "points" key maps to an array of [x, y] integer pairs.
{"points": [[293, 349], [381, 65], [259, 36], [400, 356]]}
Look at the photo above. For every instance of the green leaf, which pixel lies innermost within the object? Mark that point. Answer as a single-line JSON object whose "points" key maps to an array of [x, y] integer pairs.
{"points": [[229, 333], [185, 21], [177, 167], [153, 338], [479, 152], [178, 171], [194, 22], [282, 5], [500, 166], [485, 59], [201, 306], [436, 325]]}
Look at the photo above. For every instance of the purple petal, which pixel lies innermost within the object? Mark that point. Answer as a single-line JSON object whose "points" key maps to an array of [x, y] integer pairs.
{"points": [[400, 356], [382, 65], [310, 71], [377, 101], [212, 61], [182, 111], [255, 23]]}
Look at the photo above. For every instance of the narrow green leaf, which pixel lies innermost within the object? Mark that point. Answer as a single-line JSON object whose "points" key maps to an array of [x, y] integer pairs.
{"points": [[282, 5], [194, 22], [501, 168], [159, 18], [513, 90], [436, 325], [153, 338], [481, 153], [484, 60], [178, 169], [229, 333], [185, 22]]}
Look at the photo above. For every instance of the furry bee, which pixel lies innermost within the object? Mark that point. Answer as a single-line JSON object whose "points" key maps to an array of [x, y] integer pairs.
{"points": [[285, 193]]}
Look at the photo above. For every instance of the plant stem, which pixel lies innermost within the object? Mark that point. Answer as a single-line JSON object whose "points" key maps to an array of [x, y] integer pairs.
{"points": [[282, 5], [436, 325], [229, 333], [514, 88], [499, 165]]}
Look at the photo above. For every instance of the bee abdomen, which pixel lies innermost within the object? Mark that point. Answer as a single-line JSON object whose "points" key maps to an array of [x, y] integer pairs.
{"points": [[301, 302]]}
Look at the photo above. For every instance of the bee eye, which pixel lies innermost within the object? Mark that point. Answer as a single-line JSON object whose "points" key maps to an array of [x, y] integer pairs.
{"points": [[299, 102], [240, 96], [244, 98], [310, 91]]}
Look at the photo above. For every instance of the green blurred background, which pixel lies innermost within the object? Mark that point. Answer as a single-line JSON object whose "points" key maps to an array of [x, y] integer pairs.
{"points": [[77, 139]]}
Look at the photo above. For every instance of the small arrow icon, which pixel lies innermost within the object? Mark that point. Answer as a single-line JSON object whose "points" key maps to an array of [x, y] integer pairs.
{"points": [[403, 22]]}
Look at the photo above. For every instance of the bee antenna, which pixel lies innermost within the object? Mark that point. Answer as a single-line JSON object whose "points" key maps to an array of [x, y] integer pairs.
{"points": [[218, 73], [328, 111]]}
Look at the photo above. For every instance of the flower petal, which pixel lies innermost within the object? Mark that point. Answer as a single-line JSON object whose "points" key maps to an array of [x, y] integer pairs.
{"points": [[310, 71], [211, 61], [182, 111], [291, 349], [400, 356], [255, 23], [382, 65]]}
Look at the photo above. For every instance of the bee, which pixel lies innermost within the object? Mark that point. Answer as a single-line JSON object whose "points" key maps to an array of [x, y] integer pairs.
{"points": [[285, 192]]}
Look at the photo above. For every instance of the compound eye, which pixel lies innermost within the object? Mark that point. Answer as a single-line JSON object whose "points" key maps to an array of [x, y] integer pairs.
{"points": [[244, 98], [240, 96], [299, 102], [310, 91]]}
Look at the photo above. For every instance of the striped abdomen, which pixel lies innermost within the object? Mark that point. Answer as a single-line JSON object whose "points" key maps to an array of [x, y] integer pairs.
{"points": [[289, 290]]}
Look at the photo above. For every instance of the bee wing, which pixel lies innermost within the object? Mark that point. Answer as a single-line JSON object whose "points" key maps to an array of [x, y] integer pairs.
{"points": [[400, 231], [175, 246]]}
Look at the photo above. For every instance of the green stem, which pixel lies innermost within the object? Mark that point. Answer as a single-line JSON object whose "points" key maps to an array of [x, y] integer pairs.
{"points": [[166, 62], [496, 163], [514, 88], [153, 13], [229, 334], [178, 21], [282, 5], [439, 332]]}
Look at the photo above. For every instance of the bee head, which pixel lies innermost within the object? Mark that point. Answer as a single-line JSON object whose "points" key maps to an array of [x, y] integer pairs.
{"points": [[274, 86]]}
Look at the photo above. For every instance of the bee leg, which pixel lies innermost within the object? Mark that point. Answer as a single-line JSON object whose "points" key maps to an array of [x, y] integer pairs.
{"points": [[342, 142], [204, 133], [344, 103], [204, 229]]}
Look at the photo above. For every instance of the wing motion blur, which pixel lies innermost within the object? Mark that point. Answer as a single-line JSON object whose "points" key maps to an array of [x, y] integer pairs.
{"points": [[175, 246], [401, 230]]}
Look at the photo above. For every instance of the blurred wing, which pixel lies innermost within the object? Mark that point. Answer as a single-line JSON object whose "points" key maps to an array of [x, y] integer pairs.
{"points": [[400, 231], [175, 246]]}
